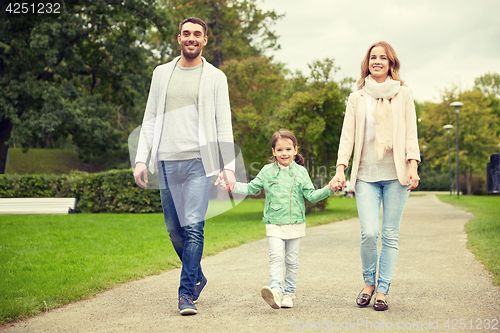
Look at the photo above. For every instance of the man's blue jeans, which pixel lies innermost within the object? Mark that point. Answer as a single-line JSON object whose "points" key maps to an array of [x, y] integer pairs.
{"points": [[369, 196], [185, 192]]}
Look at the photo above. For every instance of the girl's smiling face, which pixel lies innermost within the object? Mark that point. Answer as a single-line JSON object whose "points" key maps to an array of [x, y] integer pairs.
{"points": [[284, 151]]}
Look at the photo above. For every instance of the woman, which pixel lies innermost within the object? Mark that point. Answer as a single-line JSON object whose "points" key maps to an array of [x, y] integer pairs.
{"points": [[380, 124]]}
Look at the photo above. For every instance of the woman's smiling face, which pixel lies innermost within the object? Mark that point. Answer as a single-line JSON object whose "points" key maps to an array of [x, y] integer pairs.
{"points": [[379, 64]]}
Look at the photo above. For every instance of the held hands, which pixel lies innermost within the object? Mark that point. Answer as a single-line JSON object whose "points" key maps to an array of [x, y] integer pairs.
{"points": [[338, 181], [140, 172], [226, 180]]}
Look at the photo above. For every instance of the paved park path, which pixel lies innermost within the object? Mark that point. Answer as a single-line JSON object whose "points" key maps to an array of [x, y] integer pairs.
{"points": [[437, 282]]}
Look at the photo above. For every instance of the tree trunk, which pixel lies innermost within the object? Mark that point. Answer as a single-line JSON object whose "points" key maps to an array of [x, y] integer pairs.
{"points": [[468, 181], [5, 132], [218, 39]]}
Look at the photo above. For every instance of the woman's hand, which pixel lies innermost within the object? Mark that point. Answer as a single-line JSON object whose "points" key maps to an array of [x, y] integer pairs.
{"points": [[413, 178], [338, 181]]}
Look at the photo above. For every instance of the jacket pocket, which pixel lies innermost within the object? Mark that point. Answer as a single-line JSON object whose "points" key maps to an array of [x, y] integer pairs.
{"points": [[275, 207]]}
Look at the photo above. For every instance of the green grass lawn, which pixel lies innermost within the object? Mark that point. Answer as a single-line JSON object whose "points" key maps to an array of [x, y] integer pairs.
{"points": [[50, 260], [483, 232]]}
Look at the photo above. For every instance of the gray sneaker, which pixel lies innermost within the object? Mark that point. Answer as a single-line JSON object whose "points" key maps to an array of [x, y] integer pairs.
{"points": [[272, 297], [198, 288], [287, 301], [186, 306]]}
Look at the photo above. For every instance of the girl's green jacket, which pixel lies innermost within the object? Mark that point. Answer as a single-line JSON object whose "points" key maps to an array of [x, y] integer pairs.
{"points": [[285, 192]]}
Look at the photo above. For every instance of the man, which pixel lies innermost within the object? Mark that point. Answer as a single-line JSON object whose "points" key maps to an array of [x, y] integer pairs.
{"points": [[186, 122]]}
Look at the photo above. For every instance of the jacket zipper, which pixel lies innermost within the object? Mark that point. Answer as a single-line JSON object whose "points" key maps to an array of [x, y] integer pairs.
{"points": [[291, 193]]}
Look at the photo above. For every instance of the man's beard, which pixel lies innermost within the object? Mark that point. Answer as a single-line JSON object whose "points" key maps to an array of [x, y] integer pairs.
{"points": [[190, 55]]}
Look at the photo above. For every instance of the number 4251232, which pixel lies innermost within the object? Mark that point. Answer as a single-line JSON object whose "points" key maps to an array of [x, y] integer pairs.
{"points": [[33, 8]]}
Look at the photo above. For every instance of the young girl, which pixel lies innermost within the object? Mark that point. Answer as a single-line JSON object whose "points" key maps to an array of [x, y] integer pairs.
{"points": [[286, 183]]}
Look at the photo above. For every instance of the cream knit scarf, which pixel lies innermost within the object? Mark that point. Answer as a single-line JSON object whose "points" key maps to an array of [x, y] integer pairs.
{"points": [[382, 93]]}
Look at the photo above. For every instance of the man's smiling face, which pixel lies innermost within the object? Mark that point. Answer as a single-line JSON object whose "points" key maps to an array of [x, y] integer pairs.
{"points": [[192, 40]]}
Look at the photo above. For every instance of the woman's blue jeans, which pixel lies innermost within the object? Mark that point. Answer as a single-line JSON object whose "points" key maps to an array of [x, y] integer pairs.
{"points": [[185, 192], [369, 195]]}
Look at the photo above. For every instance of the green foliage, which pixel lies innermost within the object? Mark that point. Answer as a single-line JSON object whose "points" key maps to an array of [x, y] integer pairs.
{"points": [[237, 29], [255, 90], [314, 111], [478, 136], [77, 72], [432, 180], [483, 232], [263, 101], [48, 161], [111, 191], [489, 84]]}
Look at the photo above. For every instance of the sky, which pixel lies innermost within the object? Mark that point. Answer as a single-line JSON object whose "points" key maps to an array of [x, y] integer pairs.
{"points": [[440, 43]]}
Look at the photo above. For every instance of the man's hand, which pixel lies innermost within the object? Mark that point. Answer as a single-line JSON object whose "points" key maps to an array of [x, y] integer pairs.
{"points": [[140, 172], [227, 177]]}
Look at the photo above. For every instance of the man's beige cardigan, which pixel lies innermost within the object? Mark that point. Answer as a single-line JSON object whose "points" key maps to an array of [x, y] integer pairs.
{"points": [[404, 132], [215, 130]]}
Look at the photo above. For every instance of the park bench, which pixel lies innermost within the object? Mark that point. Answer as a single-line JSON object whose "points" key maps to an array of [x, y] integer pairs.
{"points": [[37, 205]]}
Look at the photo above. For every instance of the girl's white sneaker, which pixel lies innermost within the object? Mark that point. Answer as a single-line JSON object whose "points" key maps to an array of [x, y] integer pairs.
{"points": [[272, 297], [287, 302]]}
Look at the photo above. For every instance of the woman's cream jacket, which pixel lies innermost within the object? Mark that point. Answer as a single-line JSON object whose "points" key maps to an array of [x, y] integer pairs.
{"points": [[404, 132]]}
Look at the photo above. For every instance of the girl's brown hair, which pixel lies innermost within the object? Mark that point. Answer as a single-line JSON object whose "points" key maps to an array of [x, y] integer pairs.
{"points": [[394, 64], [286, 134]]}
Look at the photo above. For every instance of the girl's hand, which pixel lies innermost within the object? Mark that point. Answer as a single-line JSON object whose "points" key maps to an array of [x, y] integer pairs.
{"points": [[223, 185], [413, 178], [226, 180]]}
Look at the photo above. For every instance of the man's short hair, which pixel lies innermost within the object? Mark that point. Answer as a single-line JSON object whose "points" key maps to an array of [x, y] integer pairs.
{"points": [[194, 20]]}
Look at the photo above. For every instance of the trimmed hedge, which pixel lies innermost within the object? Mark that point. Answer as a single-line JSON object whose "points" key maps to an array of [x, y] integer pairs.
{"points": [[111, 191]]}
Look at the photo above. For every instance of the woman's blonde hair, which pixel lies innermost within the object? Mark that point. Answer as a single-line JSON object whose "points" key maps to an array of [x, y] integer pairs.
{"points": [[394, 63]]}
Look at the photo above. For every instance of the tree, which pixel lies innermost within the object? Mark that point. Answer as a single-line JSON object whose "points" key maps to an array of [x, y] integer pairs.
{"points": [[255, 90], [489, 84], [477, 133], [237, 29], [68, 73], [314, 112], [263, 100]]}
